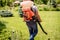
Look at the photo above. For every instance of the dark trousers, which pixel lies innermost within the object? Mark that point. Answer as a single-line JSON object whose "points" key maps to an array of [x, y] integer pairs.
{"points": [[33, 30]]}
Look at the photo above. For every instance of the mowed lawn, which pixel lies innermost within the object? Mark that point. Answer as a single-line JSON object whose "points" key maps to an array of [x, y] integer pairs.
{"points": [[50, 23]]}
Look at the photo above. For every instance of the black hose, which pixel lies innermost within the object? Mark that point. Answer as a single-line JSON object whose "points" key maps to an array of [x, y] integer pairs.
{"points": [[42, 28]]}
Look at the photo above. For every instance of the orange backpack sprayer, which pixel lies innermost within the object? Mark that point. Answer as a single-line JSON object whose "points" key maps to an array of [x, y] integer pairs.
{"points": [[28, 14], [26, 8]]}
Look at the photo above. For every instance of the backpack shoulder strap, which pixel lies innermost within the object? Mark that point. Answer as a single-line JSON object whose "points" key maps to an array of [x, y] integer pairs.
{"points": [[34, 9]]}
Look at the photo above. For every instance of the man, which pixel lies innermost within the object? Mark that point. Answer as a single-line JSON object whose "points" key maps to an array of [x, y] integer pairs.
{"points": [[31, 24]]}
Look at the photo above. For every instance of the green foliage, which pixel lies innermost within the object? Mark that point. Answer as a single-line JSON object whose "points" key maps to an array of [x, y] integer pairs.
{"points": [[9, 2], [3, 31], [6, 2], [4, 35], [41, 1], [58, 9], [38, 1], [44, 1], [2, 3], [16, 5], [47, 8], [2, 26], [43, 8], [58, 1]]}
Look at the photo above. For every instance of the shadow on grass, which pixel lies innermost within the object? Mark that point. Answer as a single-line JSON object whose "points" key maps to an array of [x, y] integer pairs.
{"points": [[2, 26]]}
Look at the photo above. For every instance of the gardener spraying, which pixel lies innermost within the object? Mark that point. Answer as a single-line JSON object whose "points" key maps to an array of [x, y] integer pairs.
{"points": [[30, 17]]}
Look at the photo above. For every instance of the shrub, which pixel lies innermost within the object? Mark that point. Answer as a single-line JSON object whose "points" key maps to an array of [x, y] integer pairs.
{"points": [[52, 9], [57, 9], [40, 9], [46, 9], [58, 1]]}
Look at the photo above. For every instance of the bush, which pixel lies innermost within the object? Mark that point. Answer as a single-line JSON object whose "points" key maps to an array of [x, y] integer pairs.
{"points": [[40, 9], [52, 9], [58, 1], [44, 1], [43, 8], [46, 9], [57, 9]]}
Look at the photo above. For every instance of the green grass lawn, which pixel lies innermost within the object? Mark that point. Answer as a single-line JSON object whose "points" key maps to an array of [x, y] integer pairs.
{"points": [[50, 22]]}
